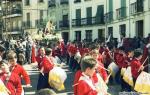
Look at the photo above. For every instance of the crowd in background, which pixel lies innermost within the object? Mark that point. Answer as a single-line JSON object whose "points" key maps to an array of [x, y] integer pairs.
{"points": [[80, 56]]}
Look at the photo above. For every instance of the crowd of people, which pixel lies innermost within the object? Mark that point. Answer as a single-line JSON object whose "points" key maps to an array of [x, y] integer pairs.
{"points": [[95, 64]]}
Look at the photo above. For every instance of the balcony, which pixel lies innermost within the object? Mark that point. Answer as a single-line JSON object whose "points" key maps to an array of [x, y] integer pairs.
{"points": [[64, 2], [87, 21], [77, 1], [108, 17], [27, 24], [15, 29], [121, 12], [12, 13], [137, 7], [64, 24], [52, 3]]}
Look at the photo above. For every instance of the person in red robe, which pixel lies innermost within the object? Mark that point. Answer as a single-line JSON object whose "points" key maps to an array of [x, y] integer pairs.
{"points": [[86, 85], [17, 69], [33, 55], [11, 80], [40, 56], [100, 66], [46, 65], [136, 65]]}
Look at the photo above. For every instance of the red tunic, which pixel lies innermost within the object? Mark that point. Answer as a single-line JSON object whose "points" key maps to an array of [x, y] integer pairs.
{"points": [[135, 66], [102, 71], [84, 88], [76, 79], [39, 59], [13, 84], [19, 70], [62, 46], [33, 58], [47, 64], [78, 74], [108, 57]]}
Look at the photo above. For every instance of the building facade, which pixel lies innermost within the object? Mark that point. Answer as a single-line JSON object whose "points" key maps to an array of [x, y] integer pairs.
{"points": [[128, 18], [11, 18], [35, 13], [87, 20]]}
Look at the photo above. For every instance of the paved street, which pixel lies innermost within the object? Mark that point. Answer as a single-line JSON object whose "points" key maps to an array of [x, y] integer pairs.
{"points": [[34, 78], [113, 89]]}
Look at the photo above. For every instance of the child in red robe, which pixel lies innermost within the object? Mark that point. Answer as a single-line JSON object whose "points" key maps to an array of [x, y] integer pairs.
{"points": [[10, 79], [16, 68], [86, 85]]}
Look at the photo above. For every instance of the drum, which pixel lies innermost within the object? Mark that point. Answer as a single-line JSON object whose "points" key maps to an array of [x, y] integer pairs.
{"points": [[123, 71], [142, 84], [101, 85], [3, 89], [127, 77], [56, 79], [113, 68]]}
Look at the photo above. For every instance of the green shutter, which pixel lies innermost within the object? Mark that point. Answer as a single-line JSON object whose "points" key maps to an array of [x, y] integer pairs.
{"points": [[89, 12], [110, 5], [123, 3], [89, 15], [100, 14]]}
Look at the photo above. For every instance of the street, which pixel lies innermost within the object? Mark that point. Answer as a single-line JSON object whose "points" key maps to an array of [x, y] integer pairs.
{"points": [[34, 78], [113, 89]]}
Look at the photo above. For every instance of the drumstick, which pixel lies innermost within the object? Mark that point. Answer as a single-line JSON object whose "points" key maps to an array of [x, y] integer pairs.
{"points": [[8, 91], [75, 84], [109, 76], [142, 64], [104, 68]]}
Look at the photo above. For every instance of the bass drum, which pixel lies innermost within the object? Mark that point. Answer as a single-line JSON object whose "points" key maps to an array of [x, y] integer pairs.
{"points": [[142, 84], [113, 68]]}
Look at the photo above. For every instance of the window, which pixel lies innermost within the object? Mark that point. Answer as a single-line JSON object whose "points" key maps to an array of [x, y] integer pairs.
{"points": [[27, 2], [140, 28], [78, 17], [99, 19], [101, 34], [88, 35], [76, 1], [121, 12], [140, 5], [122, 29], [41, 1], [89, 15], [28, 20], [133, 8], [41, 14], [110, 31], [78, 35]]}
